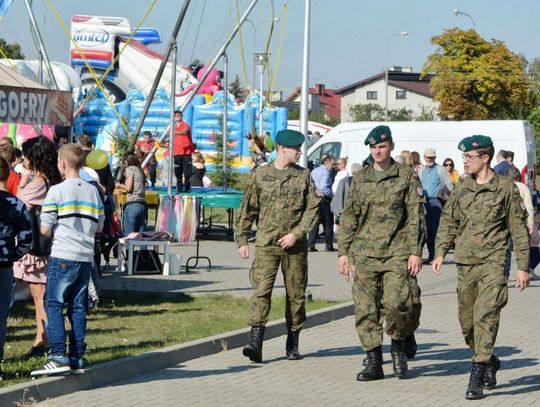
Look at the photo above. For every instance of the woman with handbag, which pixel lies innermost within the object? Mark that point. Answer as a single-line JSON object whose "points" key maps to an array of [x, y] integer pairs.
{"points": [[135, 186], [39, 172]]}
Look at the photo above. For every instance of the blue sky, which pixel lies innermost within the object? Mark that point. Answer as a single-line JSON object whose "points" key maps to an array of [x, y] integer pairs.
{"points": [[348, 37]]}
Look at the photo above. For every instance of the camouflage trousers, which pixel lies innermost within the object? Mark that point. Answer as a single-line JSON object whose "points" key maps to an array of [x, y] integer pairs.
{"points": [[295, 275], [374, 290], [414, 306], [482, 292]]}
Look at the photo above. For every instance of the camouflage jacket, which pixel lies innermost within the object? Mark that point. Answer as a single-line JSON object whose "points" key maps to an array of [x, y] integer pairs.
{"points": [[385, 218], [280, 202], [479, 218]]}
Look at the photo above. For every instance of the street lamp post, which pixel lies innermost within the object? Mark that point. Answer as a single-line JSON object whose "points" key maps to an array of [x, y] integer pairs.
{"points": [[261, 59], [255, 27], [401, 34], [462, 13]]}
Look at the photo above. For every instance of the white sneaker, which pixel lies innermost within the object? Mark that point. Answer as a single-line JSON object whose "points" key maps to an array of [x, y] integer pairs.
{"points": [[55, 365]]}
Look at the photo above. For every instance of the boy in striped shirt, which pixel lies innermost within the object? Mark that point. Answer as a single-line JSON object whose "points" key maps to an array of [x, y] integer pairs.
{"points": [[72, 213]]}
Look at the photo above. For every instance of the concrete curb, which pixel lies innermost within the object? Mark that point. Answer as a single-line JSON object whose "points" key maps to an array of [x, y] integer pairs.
{"points": [[105, 373]]}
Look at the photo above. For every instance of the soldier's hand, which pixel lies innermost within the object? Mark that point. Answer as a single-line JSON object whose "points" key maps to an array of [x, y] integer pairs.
{"points": [[287, 241], [522, 279], [244, 251], [344, 267], [437, 264], [414, 265]]}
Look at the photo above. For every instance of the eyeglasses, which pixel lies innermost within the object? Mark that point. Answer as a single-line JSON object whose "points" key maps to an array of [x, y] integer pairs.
{"points": [[448, 165], [468, 157]]}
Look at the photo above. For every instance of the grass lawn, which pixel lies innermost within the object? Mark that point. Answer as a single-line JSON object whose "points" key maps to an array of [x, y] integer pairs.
{"points": [[130, 325]]}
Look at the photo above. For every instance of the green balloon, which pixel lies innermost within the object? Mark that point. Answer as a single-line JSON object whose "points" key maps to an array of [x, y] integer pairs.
{"points": [[97, 159]]}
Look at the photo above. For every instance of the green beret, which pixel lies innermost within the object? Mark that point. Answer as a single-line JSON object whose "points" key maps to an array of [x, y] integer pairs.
{"points": [[475, 143], [290, 138], [378, 135]]}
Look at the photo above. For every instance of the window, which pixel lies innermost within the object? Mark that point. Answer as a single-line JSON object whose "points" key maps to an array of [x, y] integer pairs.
{"points": [[331, 149], [371, 95], [401, 94]]}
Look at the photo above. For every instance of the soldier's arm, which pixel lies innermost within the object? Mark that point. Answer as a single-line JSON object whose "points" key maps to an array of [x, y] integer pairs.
{"points": [[517, 225], [448, 225], [414, 202], [248, 213], [349, 221], [311, 211]]}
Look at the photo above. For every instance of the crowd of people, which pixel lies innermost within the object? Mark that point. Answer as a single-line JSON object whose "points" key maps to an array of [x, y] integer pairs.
{"points": [[68, 206], [56, 205], [387, 210]]}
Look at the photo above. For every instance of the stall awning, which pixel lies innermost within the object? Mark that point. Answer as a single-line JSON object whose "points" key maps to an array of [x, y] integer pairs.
{"points": [[24, 101]]}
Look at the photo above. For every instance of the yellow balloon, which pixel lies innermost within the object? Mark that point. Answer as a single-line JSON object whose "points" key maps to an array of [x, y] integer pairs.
{"points": [[97, 159]]}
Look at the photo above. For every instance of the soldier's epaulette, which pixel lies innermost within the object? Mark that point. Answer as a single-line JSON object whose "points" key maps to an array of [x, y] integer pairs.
{"points": [[299, 168]]}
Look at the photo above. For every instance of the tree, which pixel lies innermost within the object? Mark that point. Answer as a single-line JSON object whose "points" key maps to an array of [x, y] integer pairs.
{"points": [[534, 69], [314, 117], [217, 159], [400, 115], [12, 51], [477, 79], [366, 112], [374, 112], [427, 114], [235, 88]]}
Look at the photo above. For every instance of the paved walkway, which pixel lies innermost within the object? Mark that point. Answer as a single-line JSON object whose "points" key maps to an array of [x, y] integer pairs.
{"points": [[230, 275], [438, 375]]}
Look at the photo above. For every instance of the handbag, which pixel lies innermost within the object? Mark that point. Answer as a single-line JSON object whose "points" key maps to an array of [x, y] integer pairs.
{"points": [[41, 244], [147, 262]]}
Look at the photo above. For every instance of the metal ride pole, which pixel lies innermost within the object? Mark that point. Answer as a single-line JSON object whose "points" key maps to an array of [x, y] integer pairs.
{"points": [[212, 64], [261, 103], [42, 51], [171, 136], [152, 92], [225, 118], [305, 87]]}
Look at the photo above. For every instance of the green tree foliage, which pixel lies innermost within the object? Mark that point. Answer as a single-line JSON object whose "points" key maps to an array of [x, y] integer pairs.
{"points": [[366, 112], [236, 89], [314, 117], [477, 79], [427, 114], [217, 159], [374, 112], [12, 51]]}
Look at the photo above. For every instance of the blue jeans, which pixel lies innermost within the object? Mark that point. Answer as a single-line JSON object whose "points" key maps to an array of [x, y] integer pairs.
{"points": [[134, 218], [433, 216], [7, 288], [67, 283]]}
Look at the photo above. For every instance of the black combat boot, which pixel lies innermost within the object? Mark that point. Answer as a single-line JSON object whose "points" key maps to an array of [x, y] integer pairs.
{"points": [[253, 350], [291, 346], [490, 378], [373, 369], [410, 346], [474, 389], [399, 359]]}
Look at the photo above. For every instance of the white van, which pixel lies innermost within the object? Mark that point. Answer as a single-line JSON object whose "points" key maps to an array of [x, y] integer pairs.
{"points": [[347, 140]]}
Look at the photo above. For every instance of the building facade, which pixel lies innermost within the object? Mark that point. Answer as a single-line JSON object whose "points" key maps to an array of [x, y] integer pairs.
{"points": [[320, 100], [405, 90]]}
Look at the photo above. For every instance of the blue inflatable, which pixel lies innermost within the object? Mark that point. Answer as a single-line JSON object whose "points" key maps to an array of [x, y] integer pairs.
{"points": [[99, 121]]}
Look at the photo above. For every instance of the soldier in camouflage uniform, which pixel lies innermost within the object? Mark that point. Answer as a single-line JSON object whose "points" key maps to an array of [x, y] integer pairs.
{"points": [[380, 239], [281, 199], [481, 214]]}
